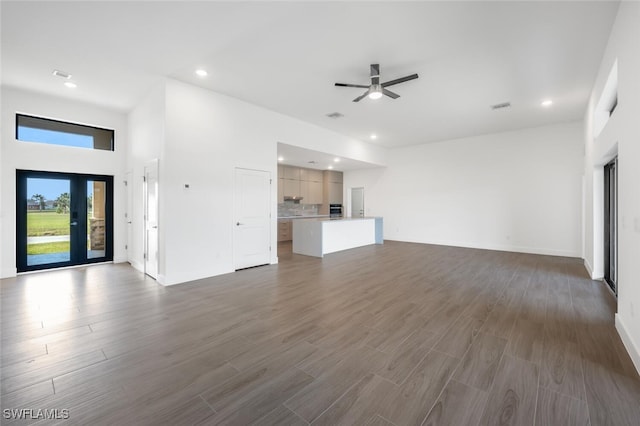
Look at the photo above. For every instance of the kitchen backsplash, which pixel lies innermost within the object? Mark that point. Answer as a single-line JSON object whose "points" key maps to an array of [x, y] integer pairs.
{"points": [[289, 208]]}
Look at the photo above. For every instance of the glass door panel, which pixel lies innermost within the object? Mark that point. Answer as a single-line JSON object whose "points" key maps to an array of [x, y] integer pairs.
{"points": [[96, 218], [62, 219], [48, 226]]}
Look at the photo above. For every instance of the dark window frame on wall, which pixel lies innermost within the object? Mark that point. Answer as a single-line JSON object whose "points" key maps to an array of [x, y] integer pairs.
{"points": [[55, 132], [611, 225]]}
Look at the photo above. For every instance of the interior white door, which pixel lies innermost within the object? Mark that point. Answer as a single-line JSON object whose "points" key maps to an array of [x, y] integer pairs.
{"points": [[357, 202], [252, 224], [151, 219]]}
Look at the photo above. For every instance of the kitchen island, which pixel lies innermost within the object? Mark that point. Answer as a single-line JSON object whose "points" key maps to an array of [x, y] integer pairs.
{"points": [[317, 237]]}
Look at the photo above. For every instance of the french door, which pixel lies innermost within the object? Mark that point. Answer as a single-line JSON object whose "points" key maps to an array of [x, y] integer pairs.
{"points": [[62, 219]]}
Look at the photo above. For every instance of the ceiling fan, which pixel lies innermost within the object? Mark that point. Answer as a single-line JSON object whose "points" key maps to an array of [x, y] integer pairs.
{"points": [[376, 89]]}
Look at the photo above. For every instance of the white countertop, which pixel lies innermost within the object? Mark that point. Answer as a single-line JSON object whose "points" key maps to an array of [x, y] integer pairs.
{"points": [[315, 216], [339, 219]]}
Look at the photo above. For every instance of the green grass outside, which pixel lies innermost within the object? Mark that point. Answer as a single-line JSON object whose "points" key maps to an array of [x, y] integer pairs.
{"points": [[47, 223], [48, 248]]}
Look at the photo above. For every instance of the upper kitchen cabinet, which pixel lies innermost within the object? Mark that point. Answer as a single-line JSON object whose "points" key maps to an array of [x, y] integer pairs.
{"points": [[291, 188], [333, 176], [292, 173], [332, 188], [312, 192], [280, 190], [311, 175], [299, 182]]}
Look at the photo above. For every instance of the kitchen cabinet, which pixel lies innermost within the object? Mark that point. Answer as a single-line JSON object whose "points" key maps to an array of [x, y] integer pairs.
{"points": [[312, 192], [332, 189], [311, 175], [296, 181], [291, 188], [285, 230], [280, 190], [333, 176], [292, 173], [334, 195]]}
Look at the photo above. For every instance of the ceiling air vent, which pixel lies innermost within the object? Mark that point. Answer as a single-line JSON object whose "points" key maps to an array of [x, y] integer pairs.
{"points": [[61, 74], [501, 106], [311, 162], [335, 115]]}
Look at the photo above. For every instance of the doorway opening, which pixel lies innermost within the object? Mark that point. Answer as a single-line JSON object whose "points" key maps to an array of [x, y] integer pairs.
{"points": [[151, 206], [611, 225], [357, 202], [62, 219]]}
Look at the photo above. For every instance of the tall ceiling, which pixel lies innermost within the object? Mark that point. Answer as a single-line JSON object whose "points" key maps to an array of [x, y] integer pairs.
{"points": [[286, 56]]}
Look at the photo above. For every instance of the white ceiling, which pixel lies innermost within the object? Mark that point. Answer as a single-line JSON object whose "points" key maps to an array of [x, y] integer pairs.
{"points": [[286, 56], [302, 157]]}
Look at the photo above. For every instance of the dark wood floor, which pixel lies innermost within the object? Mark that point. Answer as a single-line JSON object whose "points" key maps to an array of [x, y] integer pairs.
{"points": [[396, 334]]}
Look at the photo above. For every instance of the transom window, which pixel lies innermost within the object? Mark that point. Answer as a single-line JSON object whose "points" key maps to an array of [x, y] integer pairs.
{"points": [[54, 132]]}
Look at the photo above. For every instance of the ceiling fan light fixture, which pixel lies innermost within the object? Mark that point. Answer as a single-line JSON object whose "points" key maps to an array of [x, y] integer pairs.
{"points": [[375, 92]]}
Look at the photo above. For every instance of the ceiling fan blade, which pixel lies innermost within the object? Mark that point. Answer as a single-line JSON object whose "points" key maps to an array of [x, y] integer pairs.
{"points": [[399, 80], [352, 85], [375, 73], [359, 98], [390, 94]]}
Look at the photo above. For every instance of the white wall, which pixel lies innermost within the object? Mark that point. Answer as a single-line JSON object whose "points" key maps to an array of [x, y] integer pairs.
{"points": [[517, 191], [205, 136], [36, 156], [146, 133], [621, 135]]}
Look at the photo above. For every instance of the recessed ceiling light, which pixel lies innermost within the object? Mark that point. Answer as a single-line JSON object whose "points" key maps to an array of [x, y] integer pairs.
{"points": [[201, 73], [70, 84], [547, 103], [330, 167], [336, 160], [280, 159], [373, 136]]}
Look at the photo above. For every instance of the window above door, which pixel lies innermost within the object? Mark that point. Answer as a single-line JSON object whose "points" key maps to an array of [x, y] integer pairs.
{"points": [[54, 132]]}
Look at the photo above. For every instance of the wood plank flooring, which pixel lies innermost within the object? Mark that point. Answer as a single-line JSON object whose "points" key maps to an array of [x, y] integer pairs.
{"points": [[395, 334]]}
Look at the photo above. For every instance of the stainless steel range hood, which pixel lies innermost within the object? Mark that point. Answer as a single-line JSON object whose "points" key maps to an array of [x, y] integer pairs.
{"points": [[294, 198]]}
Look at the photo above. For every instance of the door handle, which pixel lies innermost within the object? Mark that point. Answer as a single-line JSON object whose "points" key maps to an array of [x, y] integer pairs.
{"points": [[238, 224], [74, 223], [155, 227]]}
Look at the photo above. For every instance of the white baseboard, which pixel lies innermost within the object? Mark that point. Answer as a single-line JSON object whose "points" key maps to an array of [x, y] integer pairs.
{"points": [[588, 267], [137, 265], [9, 273], [496, 247], [119, 259], [631, 347], [162, 279]]}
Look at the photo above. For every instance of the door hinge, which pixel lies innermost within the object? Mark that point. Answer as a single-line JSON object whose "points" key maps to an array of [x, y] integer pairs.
{"points": [[270, 181], [144, 178], [126, 247], [126, 183]]}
